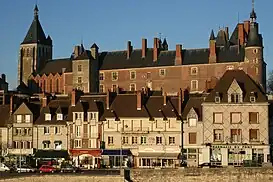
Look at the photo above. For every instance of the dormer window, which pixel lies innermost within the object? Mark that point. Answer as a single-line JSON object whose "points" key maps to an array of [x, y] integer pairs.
{"points": [[252, 99], [59, 117], [47, 117], [235, 98], [217, 99]]}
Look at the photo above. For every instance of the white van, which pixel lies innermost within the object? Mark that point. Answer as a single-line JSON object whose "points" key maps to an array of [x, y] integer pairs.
{"points": [[4, 168]]}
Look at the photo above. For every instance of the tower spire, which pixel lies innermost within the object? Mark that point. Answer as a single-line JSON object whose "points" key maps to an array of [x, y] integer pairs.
{"points": [[36, 10], [253, 15]]}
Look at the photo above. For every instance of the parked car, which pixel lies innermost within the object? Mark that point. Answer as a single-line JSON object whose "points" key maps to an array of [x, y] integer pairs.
{"points": [[47, 169], [25, 169], [4, 168], [69, 168]]}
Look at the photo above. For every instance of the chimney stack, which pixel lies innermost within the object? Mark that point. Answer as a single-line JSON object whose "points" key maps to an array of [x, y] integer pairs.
{"points": [[108, 100], [76, 51], [165, 98], [94, 51], [44, 101], [3, 77], [178, 55], [129, 49], [180, 100], [11, 104], [73, 97], [246, 26], [241, 35], [144, 47], [227, 32], [139, 99], [212, 51], [156, 50]]}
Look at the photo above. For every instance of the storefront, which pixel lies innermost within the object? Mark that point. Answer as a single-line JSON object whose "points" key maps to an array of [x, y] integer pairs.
{"points": [[50, 157], [86, 158], [158, 159], [114, 158]]}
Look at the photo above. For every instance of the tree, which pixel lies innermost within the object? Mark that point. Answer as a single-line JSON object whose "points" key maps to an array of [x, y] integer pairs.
{"points": [[270, 81]]}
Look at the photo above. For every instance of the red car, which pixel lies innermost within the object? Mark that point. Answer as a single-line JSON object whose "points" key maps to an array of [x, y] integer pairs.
{"points": [[47, 169]]}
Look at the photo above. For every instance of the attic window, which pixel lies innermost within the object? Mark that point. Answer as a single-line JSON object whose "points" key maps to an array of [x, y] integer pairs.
{"points": [[252, 99], [217, 99], [59, 117], [47, 117], [235, 98]]}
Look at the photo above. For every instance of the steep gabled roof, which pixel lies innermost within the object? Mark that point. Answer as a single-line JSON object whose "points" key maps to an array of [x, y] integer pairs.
{"points": [[194, 102], [57, 66]]}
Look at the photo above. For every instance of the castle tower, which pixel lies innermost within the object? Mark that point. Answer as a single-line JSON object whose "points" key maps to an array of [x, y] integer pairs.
{"points": [[35, 49]]}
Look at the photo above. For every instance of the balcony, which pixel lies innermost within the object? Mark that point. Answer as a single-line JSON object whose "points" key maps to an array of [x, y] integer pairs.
{"points": [[20, 151], [136, 130]]}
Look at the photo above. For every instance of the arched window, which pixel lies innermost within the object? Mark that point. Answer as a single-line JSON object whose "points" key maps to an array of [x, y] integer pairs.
{"points": [[57, 85]]}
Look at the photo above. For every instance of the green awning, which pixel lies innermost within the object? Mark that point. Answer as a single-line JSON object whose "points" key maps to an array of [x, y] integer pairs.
{"points": [[51, 154]]}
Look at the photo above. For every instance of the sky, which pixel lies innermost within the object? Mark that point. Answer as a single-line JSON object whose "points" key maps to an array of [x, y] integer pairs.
{"points": [[111, 23]]}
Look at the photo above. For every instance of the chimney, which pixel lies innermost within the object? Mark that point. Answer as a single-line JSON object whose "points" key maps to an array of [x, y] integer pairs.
{"points": [[144, 47], [3, 77], [44, 101], [227, 32], [212, 51], [94, 51], [246, 26], [108, 100], [73, 97], [178, 54], [180, 99], [241, 34], [76, 51], [139, 98], [165, 98], [155, 51], [11, 104], [129, 49]]}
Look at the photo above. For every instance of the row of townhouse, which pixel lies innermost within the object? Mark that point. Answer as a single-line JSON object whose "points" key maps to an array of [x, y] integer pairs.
{"points": [[227, 126]]}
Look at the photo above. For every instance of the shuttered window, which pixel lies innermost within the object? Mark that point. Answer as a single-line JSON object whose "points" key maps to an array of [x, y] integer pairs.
{"points": [[192, 138], [253, 134], [253, 118]]}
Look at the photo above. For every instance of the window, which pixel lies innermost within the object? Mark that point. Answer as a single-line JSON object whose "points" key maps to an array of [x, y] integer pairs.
{"points": [[57, 145], [194, 71], [132, 75], [27, 118], [78, 116], [134, 140], [217, 99], [114, 76], [143, 140], [230, 67], [253, 118], [252, 99], [110, 140], [162, 72], [57, 130], [114, 88], [149, 75], [218, 118], [236, 135], [192, 138], [47, 117], [79, 67], [194, 85], [132, 87], [158, 140], [101, 88], [253, 135], [78, 131], [46, 144], [255, 51], [125, 140], [59, 117], [19, 118], [78, 143], [218, 135], [46, 130], [192, 121], [101, 76], [93, 116], [235, 118], [79, 79], [171, 140], [235, 98]]}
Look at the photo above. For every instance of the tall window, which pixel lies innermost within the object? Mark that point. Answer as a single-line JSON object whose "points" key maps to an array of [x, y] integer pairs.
{"points": [[235, 98], [125, 140], [57, 85], [46, 130], [192, 121], [110, 140], [19, 118], [194, 71], [114, 76], [57, 130], [79, 79], [194, 85], [192, 138], [47, 117], [132, 75], [46, 144], [79, 67], [162, 72], [132, 87], [78, 131], [101, 88], [158, 140], [218, 118], [149, 75], [236, 135], [101, 76], [78, 144], [254, 135], [114, 88], [27, 118], [134, 140], [235, 117], [171, 140], [253, 118], [143, 140], [218, 135]]}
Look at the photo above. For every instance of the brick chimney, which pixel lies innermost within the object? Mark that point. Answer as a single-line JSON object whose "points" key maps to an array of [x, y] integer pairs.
{"points": [[156, 50], [165, 98], [129, 49], [178, 54], [241, 34], [11, 104], [73, 97], [180, 100], [44, 101], [144, 48], [108, 100], [139, 99], [246, 26], [76, 51], [212, 51]]}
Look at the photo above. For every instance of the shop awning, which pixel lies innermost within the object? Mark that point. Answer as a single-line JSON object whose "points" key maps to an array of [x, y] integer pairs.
{"points": [[158, 155], [78, 152], [124, 152], [51, 154]]}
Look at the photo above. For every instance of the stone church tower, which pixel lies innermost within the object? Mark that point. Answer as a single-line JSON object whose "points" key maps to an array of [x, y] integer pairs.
{"points": [[34, 50]]}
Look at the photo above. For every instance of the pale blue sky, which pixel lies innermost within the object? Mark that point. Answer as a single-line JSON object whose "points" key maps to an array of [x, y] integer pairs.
{"points": [[112, 23]]}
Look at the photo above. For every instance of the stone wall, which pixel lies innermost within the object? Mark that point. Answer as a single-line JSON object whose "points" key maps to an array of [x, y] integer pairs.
{"points": [[202, 174]]}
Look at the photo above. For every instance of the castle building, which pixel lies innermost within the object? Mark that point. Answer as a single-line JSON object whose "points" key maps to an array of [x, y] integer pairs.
{"points": [[196, 70]]}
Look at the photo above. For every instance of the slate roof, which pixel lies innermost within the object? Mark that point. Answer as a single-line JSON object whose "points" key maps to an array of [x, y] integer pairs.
{"points": [[85, 55], [194, 102], [56, 66], [246, 83]]}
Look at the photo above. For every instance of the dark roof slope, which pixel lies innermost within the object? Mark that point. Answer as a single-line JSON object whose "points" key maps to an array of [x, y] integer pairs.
{"points": [[246, 83], [57, 66], [194, 102]]}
